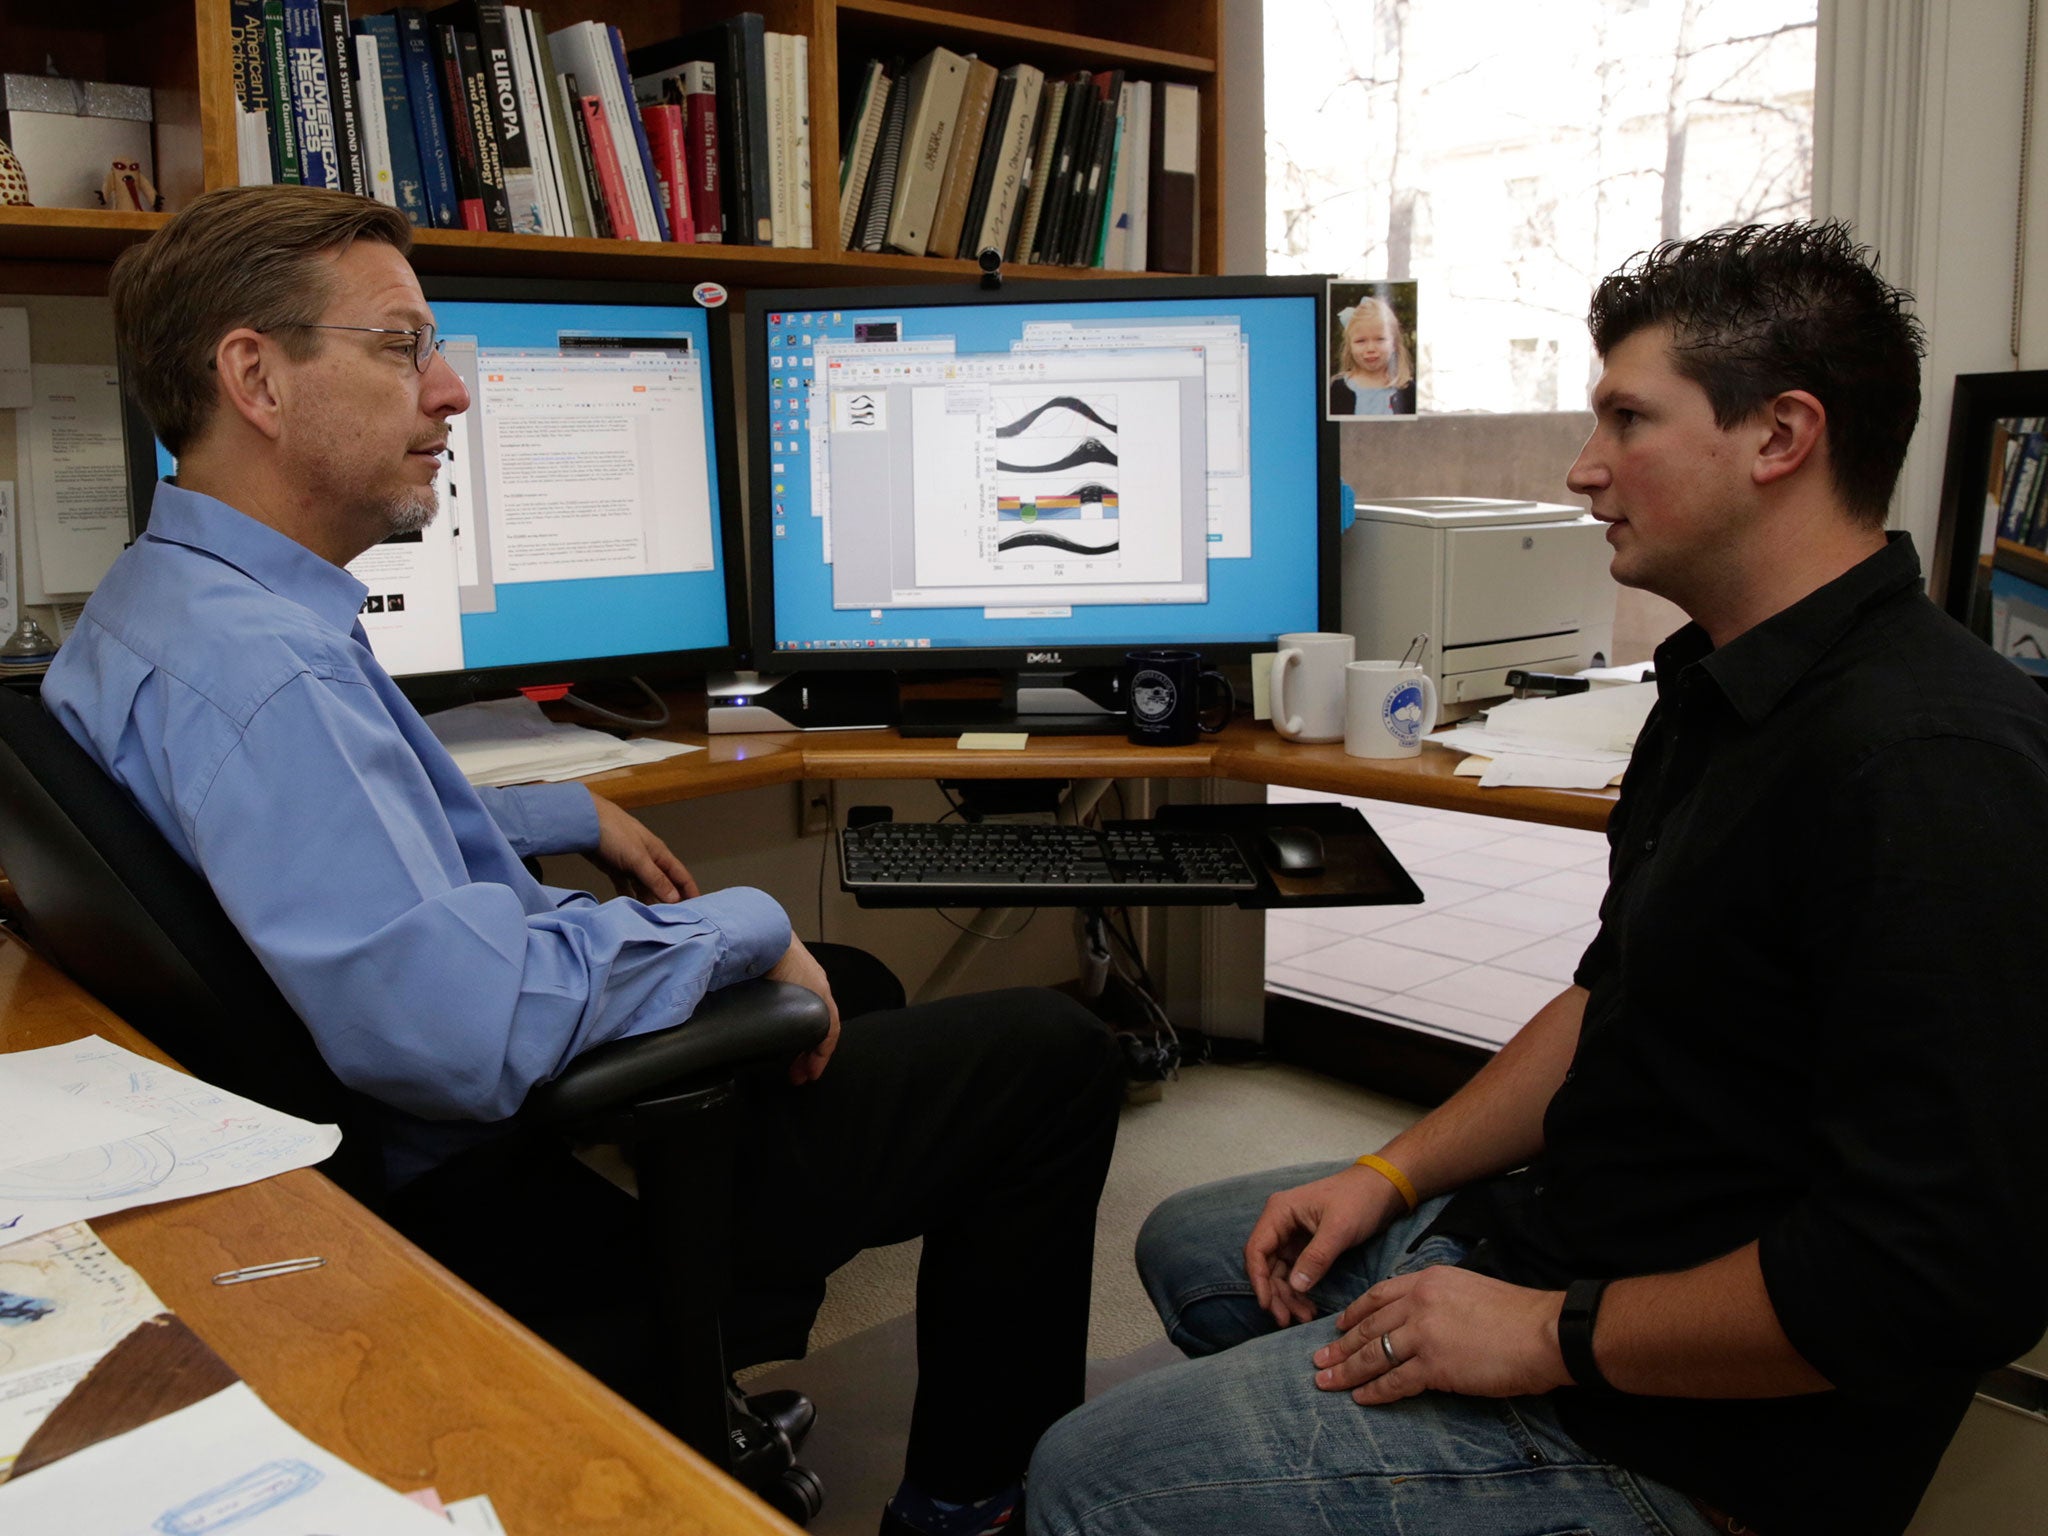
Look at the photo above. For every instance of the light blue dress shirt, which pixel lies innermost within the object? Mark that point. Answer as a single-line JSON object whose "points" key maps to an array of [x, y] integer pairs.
{"points": [[219, 674]]}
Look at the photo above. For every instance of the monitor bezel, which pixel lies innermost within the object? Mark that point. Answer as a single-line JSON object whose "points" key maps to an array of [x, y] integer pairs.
{"points": [[438, 689], [762, 302]]}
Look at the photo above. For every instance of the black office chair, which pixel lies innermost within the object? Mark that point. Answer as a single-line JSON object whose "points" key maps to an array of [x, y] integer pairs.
{"points": [[108, 901]]}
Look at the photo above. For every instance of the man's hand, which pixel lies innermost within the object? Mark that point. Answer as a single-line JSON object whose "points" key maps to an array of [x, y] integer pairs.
{"points": [[1453, 1331], [798, 966], [639, 863], [1302, 1230]]}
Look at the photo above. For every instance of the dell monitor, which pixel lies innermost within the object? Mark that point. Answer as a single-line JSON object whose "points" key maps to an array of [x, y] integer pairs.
{"points": [[589, 520], [1038, 479]]}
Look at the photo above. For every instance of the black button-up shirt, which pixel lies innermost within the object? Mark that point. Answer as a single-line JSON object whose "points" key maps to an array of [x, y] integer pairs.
{"points": [[1816, 1022]]}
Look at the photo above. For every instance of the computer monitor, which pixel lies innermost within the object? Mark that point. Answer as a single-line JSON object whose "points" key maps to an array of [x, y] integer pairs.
{"points": [[1038, 478], [589, 524]]}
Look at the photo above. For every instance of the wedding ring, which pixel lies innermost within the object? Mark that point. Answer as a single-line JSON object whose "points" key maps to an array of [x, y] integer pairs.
{"points": [[1387, 1349]]}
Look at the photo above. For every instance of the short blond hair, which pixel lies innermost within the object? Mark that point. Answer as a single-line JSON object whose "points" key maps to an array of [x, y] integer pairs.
{"points": [[240, 256], [1401, 372]]}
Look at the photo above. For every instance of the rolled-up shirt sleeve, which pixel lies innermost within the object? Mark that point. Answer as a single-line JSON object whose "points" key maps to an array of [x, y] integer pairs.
{"points": [[540, 819], [1923, 1244], [432, 991]]}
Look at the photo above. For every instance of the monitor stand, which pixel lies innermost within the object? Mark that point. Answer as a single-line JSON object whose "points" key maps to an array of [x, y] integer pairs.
{"points": [[1083, 703]]}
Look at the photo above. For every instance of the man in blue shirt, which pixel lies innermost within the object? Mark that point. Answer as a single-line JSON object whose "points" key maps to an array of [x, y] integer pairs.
{"points": [[282, 348]]}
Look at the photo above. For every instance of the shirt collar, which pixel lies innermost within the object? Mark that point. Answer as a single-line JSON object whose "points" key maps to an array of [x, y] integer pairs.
{"points": [[1759, 667], [258, 551]]}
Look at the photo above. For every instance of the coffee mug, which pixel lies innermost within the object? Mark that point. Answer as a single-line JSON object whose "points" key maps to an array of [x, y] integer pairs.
{"points": [[1163, 690], [1388, 709], [1307, 686]]}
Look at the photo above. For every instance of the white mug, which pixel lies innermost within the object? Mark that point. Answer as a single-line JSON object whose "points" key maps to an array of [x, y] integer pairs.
{"points": [[1307, 686], [1388, 709]]}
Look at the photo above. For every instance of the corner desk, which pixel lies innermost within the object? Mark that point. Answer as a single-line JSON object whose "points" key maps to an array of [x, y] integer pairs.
{"points": [[389, 1361]]}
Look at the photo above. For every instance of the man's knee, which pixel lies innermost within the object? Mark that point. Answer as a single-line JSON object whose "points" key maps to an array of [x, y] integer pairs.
{"points": [[1058, 1034]]}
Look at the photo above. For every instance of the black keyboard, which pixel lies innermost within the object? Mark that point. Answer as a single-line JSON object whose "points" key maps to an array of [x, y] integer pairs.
{"points": [[1025, 864]]}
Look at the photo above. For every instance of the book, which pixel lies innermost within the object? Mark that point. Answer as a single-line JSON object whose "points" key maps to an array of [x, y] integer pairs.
{"points": [[647, 211], [284, 121], [370, 98], [1074, 199], [699, 85], [806, 232], [1175, 193], [933, 107], [465, 158], [781, 210], [857, 153], [584, 49], [601, 226], [509, 136], [552, 205], [1140, 161], [408, 179], [956, 185], [1038, 171], [483, 123], [561, 119], [1083, 243], [1111, 238], [338, 49], [881, 188], [423, 96], [982, 178], [609, 168], [254, 155], [664, 124], [736, 48], [1005, 200], [1077, 110], [306, 84]]}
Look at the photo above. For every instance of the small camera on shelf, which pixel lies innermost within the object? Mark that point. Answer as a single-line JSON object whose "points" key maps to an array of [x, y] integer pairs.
{"points": [[991, 261]]}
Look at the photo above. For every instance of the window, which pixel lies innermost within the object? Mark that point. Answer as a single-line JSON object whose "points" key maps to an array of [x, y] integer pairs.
{"points": [[1508, 155]]}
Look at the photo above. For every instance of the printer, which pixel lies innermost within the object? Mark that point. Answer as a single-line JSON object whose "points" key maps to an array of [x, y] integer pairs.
{"points": [[1496, 585]]}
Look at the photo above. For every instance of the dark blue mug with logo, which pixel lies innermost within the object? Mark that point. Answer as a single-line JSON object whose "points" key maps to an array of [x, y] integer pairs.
{"points": [[1163, 692]]}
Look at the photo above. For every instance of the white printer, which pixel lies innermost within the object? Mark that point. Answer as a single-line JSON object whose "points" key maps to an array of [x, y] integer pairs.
{"points": [[1496, 585]]}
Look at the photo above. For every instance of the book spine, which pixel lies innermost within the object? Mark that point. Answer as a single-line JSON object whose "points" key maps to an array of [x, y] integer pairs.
{"points": [[747, 133], [781, 214], [284, 120], [664, 125], [1039, 171], [561, 110], [881, 193], [963, 160], [604, 157], [464, 156], [407, 179], [509, 130], [1176, 119], [1106, 237], [700, 146], [252, 94], [635, 153], [806, 233], [376, 145], [999, 220], [1141, 175], [312, 115], [339, 53], [981, 179], [857, 151], [430, 126], [576, 153], [553, 203]]}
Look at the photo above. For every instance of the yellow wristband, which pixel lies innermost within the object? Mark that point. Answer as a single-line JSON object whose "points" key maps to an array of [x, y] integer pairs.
{"points": [[1393, 1176]]}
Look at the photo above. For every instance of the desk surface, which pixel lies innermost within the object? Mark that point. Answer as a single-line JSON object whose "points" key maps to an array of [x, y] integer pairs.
{"points": [[383, 1357], [1247, 752]]}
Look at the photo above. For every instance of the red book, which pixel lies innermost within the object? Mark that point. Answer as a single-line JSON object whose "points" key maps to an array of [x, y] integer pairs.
{"points": [[700, 149], [606, 156], [664, 124]]}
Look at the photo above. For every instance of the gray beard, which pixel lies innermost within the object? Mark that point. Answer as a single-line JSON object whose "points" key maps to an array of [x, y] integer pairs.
{"points": [[412, 512]]}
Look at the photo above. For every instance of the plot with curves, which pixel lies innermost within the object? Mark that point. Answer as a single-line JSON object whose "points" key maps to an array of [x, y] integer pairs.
{"points": [[1092, 500], [1059, 415], [1048, 457], [1055, 541]]}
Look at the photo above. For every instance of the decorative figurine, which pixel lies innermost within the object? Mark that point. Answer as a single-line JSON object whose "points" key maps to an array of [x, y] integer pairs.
{"points": [[13, 179], [128, 189]]}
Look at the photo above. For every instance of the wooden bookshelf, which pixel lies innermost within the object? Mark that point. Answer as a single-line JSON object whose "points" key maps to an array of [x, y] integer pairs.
{"points": [[180, 49]]}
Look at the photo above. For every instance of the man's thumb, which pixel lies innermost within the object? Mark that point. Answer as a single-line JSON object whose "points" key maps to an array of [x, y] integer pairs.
{"points": [[1315, 1260]]}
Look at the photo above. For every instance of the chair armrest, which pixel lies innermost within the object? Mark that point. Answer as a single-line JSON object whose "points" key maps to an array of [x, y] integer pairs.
{"points": [[754, 1021]]}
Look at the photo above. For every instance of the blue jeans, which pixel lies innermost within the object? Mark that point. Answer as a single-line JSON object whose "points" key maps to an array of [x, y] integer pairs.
{"points": [[1238, 1440]]}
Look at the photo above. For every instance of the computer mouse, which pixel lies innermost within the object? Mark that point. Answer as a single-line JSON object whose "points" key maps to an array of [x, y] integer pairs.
{"points": [[1292, 850]]}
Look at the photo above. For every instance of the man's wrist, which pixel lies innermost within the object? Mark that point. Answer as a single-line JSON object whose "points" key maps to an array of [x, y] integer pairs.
{"points": [[1576, 1318]]}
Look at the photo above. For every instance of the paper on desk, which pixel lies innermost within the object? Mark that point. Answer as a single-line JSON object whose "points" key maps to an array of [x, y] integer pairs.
{"points": [[509, 741], [1576, 741], [65, 1300], [224, 1463], [1512, 768], [209, 1139], [39, 1121]]}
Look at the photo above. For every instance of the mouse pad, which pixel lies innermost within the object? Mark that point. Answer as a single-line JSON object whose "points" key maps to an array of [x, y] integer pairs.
{"points": [[1358, 869]]}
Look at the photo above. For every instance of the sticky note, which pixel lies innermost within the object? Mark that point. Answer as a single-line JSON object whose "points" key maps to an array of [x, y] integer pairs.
{"points": [[1262, 684], [993, 741]]}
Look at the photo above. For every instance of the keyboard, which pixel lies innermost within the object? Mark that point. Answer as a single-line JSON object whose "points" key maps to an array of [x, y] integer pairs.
{"points": [[1028, 864]]}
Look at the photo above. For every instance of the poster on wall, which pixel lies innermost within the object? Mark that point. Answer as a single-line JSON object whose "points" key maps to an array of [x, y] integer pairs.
{"points": [[1372, 348]]}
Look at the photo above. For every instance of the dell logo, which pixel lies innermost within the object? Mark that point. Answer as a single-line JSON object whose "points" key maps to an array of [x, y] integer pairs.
{"points": [[1041, 658]]}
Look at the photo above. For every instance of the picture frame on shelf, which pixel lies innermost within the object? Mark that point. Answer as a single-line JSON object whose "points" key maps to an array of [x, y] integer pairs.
{"points": [[1994, 491]]}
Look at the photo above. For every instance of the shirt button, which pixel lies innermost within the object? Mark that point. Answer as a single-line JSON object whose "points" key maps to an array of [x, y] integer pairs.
{"points": [[1570, 1073], [1539, 1189], [1649, 845]]}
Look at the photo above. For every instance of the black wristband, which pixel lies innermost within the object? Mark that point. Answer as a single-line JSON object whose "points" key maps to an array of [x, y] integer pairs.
{"points": [[1575, 1333]]}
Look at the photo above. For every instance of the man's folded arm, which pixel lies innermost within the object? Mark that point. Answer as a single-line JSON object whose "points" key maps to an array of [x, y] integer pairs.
{"points": [[540, 819]]}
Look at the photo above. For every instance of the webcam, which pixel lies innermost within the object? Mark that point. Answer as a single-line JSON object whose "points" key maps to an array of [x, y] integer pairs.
{"points": [[991, 261]]}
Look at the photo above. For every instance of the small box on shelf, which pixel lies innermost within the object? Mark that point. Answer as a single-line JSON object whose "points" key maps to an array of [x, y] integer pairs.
{"points": [[79, 140]]}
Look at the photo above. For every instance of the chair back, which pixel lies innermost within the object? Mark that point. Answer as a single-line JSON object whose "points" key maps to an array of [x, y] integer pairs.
{"points": [[109, 902]]}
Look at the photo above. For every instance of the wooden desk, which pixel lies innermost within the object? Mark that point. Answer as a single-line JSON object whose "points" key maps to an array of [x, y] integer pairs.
{"points": [[385, 1358], [1246, 752]]}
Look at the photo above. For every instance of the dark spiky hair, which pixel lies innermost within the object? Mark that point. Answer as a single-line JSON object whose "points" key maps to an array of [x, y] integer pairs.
{"points": [[1759, 310]]}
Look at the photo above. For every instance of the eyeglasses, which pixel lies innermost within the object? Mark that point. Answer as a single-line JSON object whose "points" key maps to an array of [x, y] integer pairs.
{"points": [[424, 344]]}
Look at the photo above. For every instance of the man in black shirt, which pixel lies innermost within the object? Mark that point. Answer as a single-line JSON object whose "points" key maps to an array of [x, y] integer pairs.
{"points": [[1722, 1238]]}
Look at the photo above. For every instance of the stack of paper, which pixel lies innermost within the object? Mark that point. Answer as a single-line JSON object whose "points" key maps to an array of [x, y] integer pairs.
{"points": [[1575, 741], [509, 741]]}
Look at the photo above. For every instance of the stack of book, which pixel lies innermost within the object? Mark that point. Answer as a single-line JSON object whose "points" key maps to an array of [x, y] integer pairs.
{"points": [[475, 116], [948, 157], [2018, 477]]}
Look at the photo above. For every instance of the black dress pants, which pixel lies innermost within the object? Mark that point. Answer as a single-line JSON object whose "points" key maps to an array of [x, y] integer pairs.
{"points": [[983, 1124]]}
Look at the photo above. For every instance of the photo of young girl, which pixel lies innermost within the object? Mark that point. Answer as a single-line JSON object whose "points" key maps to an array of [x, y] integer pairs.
{"points": [[1372, 353]]}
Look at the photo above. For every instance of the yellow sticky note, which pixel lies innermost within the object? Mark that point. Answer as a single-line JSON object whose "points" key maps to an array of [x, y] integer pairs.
{"points": [[993, 741]]}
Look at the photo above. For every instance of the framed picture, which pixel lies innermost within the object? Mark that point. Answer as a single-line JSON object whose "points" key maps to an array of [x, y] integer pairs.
{"points": [[1994, 492], [1372, 346]]}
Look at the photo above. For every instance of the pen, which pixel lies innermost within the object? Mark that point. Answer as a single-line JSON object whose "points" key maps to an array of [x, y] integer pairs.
{"points": [[265, 1271]]}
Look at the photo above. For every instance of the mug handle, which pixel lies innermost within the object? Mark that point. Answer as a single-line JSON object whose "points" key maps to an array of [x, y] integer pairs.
{"points": [[1229, 702], [1283, 661], [1429, 692]]}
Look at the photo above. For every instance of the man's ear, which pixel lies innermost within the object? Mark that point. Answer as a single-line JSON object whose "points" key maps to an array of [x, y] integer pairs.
{"points": [[244, 361], [1795, 424]]}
